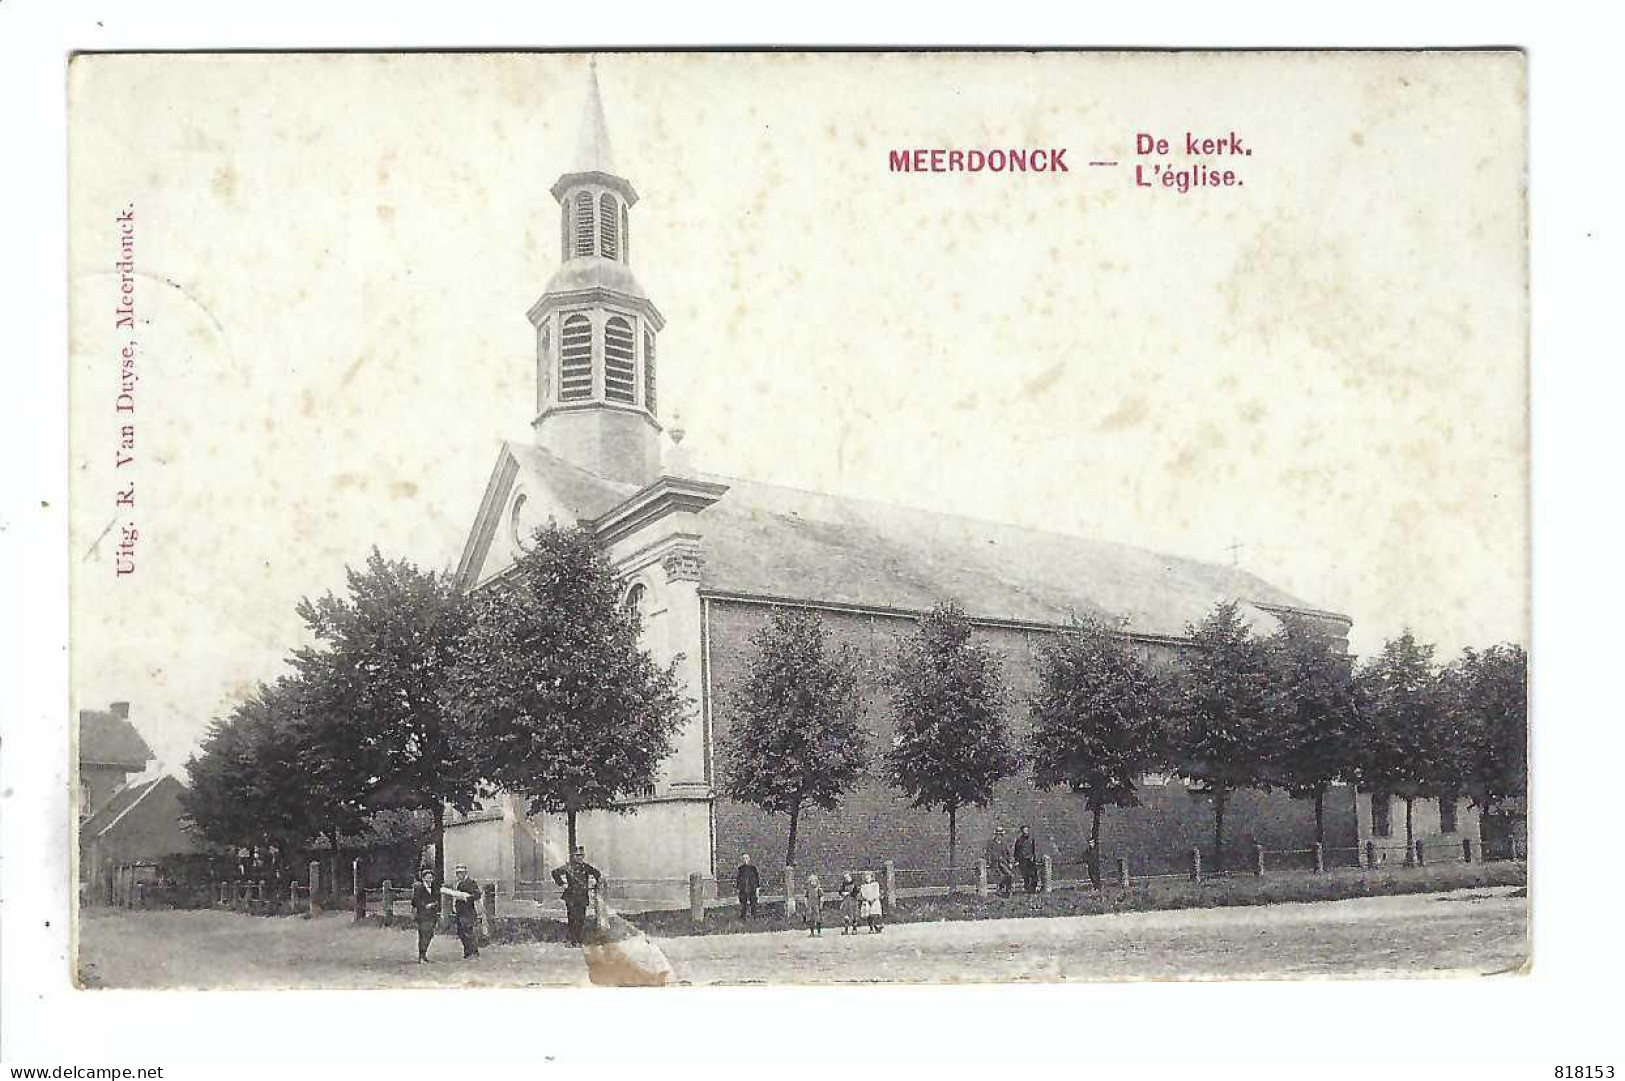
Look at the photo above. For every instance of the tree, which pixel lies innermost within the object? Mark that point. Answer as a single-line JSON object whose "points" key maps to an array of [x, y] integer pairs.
{"points": [[1409, 746], [1312, 714], [1099, 717], [797, 738], [375, 692], [558, 700], [1488, 692], [951, 747], [1221, 733], [248, 787]]}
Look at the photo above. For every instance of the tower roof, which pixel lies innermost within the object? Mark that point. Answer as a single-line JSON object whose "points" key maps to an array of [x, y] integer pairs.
{"points": [[594, 160], [593, 153]]}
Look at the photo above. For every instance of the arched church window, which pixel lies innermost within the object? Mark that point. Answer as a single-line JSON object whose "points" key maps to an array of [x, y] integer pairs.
{"points": [[584, 225], [636, 599], [620, 367], [575, 359], [609, 220], [649, 370]]}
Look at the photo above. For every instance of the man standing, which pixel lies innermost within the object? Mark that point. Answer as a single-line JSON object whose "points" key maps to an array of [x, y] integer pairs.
{"points": [[466, 900], [1027, 860], [748, 883], [576, 877], [1091, 860], [997, 857], [425, 910]]}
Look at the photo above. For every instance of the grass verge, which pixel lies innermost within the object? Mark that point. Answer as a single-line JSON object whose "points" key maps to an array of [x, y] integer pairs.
{"points": [[1142, 895]]}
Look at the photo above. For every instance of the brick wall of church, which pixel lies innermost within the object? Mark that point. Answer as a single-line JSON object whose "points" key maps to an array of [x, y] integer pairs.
{"points": [[875, 823]]}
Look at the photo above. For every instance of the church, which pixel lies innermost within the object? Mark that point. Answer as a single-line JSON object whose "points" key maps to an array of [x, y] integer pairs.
{"points": [[706, 558]]}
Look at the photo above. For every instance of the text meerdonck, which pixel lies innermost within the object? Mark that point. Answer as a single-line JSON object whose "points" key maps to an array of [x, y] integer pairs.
{"points": [[1012, 160]]}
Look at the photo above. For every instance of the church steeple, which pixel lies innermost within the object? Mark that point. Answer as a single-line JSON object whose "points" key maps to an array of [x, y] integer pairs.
{"points": [[595, 326]]}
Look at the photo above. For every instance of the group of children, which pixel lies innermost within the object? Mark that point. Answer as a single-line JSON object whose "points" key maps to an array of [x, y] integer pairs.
{"points": [[860, 900]]}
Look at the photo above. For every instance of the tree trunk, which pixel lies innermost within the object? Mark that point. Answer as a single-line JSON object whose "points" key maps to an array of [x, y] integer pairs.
{"points": [[439, 842], [1094, 827], [1410, 833], [953, 840], [790, 850], [1220, 796], [570, 825], [1320, 815]]}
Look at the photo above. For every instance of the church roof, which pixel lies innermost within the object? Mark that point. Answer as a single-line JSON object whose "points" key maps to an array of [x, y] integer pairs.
{"points": [[767, 541], [595, 272]]}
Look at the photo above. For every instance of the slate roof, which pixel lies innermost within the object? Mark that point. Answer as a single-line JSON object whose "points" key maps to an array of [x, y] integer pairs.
{"points": [[779, 542], [767, 541], [107, 739]]}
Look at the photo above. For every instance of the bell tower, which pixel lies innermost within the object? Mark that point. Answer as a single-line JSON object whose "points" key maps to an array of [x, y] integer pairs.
{"points": [[596, 328]]}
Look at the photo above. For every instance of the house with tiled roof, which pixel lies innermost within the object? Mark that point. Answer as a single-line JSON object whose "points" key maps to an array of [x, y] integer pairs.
{"points": [[139, 826], [705, 558], [110, 751]]}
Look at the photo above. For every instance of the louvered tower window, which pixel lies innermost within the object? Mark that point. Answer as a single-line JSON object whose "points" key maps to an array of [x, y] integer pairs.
{"points": [[584, 225], [544, 365], [649, 370], [609, 220], [575, 359], [620, 365]]}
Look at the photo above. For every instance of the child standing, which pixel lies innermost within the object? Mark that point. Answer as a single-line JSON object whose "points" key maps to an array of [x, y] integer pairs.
{"points": [[869, 902], [849, 904], [815, 906]]}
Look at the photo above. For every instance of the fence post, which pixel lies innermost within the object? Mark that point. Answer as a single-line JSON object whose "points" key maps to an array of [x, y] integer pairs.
{"points": [[315, 886], [696, 898], [1047, 876], [1196, 865], [981, 878], [488, 894], [293, 896], [355, 873], [387, 903], [1371, 854], [1122, 872], [1419, 859], [1258, 860], [138, 892], [265, 905], [1320, 858], [360, 900], [889, 885], [1467, 850], [789, 893]]}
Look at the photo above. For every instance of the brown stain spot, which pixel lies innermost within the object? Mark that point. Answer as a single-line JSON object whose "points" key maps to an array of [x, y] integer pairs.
{"points": [[224, 184], [355, 366], [1131, 411], [1041, 383], [349, 480], [307, 403], [403, 489], [1357, 138], [386, 213]]}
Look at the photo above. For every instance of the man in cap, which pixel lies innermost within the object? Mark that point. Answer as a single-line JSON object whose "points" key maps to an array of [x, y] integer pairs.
{"points": [[466, 899], [425, 910], [997, 856], [576, 878], [1027, 860], [748, 884]]}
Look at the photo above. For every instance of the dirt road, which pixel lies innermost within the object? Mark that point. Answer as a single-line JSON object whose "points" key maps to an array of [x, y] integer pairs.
{"points": [[1482, 931]]}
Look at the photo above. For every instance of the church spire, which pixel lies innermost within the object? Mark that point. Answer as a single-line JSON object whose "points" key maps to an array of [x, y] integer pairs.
{"points": [[593, 153]]}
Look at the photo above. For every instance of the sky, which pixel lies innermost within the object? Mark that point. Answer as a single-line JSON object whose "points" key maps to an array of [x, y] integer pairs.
{"points": [[1319, 374]]}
